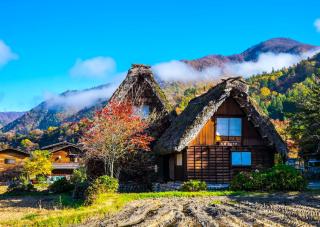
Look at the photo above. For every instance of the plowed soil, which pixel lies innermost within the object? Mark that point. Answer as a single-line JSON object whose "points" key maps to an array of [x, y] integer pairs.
{"points": [[270, 210]]}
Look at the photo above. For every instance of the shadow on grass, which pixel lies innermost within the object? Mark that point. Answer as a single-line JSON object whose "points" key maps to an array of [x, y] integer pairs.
{"points": [[42, 199]]}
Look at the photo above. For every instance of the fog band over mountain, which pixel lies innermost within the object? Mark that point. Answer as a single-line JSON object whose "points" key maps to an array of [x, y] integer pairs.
{"points": [[178, 71], [78, 100]]}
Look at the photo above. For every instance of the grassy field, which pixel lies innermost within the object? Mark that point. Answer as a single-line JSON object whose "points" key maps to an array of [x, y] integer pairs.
{"points": [[61, 210], [40, 209]]}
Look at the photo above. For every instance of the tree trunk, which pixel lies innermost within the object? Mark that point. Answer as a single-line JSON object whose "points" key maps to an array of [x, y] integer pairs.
{"points": [[111, 168], [105, 166]]}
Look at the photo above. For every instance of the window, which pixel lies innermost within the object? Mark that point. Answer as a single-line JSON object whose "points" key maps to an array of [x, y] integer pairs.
{"points": [[179, 159], [74, 159], [143, 111], [228, 129], [241, 158], [9, 161]]}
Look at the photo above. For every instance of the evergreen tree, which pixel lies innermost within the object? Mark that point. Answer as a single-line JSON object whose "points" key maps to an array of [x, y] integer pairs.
{"points": [[305, 124]]}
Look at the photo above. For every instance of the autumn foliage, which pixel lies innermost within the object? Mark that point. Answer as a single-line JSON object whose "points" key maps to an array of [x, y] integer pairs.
{"points": [[115, 131]]}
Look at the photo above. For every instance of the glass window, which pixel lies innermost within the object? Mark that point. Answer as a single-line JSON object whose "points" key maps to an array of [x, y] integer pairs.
{"points": [[246, 158], [9, 161], [241, 158], [228, 129], [234, 126], [179, 159], [236, 158], [222, 126], [143, 111]]}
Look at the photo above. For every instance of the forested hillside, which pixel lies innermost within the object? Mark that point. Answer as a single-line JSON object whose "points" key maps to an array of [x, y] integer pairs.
{"points": [[277, 92]]}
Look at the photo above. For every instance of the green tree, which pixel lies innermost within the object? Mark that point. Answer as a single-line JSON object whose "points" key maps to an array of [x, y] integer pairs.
{"points": [[305, 124], [265, 92], [38, 165], [28, 144]]}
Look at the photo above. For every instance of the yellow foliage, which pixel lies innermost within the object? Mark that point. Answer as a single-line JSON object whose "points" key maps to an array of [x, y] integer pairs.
{"points": [[265, 92], [38, 164]]}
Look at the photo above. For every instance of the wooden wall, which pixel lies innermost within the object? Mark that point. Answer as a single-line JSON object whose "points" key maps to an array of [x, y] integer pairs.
{"points": [[250, 134], [19, 160], [60, 156], [207, 160], [213, 163]]}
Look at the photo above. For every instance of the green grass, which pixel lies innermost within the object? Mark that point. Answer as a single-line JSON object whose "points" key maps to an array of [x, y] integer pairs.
{"points": [[73, 212]]}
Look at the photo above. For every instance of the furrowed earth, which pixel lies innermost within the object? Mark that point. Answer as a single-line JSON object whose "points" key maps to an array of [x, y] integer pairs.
{"points": [[268, 210]]}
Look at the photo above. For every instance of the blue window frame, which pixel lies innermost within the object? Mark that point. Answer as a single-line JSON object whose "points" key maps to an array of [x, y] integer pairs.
{"points": [[241, 158]]}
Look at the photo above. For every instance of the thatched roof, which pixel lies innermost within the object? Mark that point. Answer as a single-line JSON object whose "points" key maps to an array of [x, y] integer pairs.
{"points": [[140, 88], [140, 85], [189, 123]]}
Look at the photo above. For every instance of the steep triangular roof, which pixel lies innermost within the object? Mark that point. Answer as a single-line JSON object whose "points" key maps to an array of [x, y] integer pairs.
{"points": [[135, 87], [189, 123], [140, 88]]}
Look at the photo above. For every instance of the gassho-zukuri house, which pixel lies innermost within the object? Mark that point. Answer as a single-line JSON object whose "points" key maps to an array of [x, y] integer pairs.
{"points": [[219, 133]]}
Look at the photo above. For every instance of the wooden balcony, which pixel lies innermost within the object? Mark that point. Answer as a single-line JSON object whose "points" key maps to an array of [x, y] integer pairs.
{"points": [[72, 165]]}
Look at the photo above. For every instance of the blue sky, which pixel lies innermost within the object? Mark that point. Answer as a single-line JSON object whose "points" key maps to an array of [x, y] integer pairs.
{"points": [[50, 41]]}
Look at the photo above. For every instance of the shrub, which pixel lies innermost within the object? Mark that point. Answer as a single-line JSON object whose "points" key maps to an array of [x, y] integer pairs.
{"points": [[79, 176], [278, 178], [285, 178], [194, 186], [60, 186], [41, 179], [80, 190], [102, 184], [21, 186], [79, 179]]}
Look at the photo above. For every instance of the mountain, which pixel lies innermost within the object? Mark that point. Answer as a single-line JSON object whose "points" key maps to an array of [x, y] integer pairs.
{"points": [[58, 109], [71, 106], [7, 117], [275, 45]]}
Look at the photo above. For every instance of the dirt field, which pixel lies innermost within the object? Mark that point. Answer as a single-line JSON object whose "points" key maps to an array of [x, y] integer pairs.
{"points": [[271, 210], [14, 208]]}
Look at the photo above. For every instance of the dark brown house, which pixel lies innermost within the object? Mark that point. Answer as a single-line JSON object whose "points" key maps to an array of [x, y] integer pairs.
{"points": [[11, 160], [66, 157], [219, 134]]}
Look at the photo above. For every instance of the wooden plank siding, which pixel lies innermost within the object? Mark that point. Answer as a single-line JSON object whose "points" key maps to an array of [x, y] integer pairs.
{"points": [[207, 135], [209, 161], [65, 157], [213, 163], [61, 156], [19, 159]]}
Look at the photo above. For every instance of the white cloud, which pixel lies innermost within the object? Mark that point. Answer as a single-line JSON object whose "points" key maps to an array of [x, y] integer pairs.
{"points": [[180, 71], [93, 67], [77, 100], [266, 62], [317, 24], [6, 54]]}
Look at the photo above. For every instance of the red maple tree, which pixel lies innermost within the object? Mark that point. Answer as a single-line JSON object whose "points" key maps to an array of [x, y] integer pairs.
{"points": [[114, 132]]}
